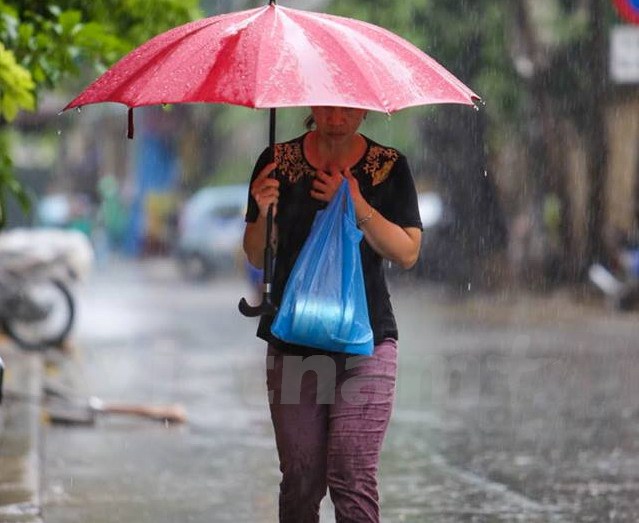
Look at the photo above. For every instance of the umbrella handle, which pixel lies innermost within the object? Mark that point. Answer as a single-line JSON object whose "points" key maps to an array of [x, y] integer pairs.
{"points": [[266, 307]]}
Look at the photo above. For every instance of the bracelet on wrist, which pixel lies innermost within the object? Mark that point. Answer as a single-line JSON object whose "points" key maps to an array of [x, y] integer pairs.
{"points": [[366, 218]]}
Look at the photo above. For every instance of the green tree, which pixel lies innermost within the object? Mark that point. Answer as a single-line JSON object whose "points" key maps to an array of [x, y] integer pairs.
{"points": [[42, 44], [565, 44]]}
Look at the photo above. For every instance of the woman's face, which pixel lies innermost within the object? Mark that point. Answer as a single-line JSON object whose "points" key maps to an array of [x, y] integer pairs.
{"points": [[337, 122]]}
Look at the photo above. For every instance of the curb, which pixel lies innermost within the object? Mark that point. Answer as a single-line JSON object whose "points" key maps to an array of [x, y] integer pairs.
{"points": [[20, 436]]}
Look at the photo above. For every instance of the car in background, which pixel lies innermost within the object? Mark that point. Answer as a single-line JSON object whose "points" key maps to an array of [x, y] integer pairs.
{"points": [[210, 230]]}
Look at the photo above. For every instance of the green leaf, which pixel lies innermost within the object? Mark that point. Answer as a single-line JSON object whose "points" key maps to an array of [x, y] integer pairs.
{"points": [[55, 10], [69, 21], [17, 88]]}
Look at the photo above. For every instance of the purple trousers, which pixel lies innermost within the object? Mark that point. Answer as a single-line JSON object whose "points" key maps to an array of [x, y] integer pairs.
{"points": [[330, 414]]}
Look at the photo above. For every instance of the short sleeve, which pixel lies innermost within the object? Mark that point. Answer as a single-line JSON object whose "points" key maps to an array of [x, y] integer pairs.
{"points": [[400, 196], [252, 210]]}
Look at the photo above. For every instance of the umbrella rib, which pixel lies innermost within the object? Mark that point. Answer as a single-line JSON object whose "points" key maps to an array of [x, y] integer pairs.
{"points": [[453, 82], [258, 61], [163, 53], [117, 94], [357, 66], [227, 48]]}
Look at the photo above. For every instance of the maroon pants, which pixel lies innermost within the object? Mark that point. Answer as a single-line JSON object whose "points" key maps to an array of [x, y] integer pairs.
{"points": [[330, 414]]}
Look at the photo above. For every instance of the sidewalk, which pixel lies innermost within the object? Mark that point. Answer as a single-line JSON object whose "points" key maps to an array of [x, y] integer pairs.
{"points": [[20, 436]]}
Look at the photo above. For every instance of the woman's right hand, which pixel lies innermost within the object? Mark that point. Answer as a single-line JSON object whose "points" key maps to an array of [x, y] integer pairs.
{"points": [[266, 191]]}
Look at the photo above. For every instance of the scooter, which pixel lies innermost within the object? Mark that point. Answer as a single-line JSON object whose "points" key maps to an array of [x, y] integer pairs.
{"points": [[37, 309], [39, 267], [621, 288], [68, 252]]}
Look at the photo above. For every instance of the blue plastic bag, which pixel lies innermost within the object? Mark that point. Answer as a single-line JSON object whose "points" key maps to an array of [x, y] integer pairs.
{"points": [[324, 301]]}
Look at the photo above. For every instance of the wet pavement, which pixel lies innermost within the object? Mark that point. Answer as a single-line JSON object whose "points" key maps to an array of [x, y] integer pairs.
{"points": [[508, 408], [528, 408], [20, 431]]}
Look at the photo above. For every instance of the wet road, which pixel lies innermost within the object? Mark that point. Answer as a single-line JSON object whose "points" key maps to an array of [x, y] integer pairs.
{"points": [[507, 409]]}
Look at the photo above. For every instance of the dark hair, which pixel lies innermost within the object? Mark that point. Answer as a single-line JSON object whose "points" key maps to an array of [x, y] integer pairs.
{"points": [[309, 122]]}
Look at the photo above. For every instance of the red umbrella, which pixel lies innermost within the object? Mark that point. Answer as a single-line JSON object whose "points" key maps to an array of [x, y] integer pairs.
{"points": [[277, 57]]}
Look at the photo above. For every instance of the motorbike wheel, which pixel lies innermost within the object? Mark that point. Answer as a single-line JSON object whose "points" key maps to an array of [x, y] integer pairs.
{"points": [[54, 298]]}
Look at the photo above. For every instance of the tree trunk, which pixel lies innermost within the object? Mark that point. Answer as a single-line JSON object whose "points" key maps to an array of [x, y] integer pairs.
{"points": [[549, 157], [635, 225], [456, 138], [596, 135]]}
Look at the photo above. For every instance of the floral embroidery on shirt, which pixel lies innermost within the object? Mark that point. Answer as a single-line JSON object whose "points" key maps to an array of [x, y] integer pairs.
{"points": [[379, 163], [290, 161]]}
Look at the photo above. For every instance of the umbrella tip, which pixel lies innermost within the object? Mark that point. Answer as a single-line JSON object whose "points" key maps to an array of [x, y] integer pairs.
{"points": [[478, 103]]}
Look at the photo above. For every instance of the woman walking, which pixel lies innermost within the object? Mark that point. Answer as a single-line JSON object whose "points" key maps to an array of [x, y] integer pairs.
{"points": [[332, 439]]}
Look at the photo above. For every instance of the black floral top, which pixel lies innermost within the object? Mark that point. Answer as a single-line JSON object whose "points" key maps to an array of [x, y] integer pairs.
{"points": [[387, 185]]}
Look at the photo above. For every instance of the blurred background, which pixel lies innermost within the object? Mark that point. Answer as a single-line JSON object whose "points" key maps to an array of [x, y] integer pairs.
{"points": [[531, 190], [518, 372]]}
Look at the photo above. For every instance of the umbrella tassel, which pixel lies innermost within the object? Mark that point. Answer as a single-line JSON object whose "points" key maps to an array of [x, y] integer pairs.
{"points": [[130, 128]]}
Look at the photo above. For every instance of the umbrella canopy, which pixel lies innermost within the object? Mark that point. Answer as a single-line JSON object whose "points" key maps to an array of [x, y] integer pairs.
{"points": [[275, 56]]}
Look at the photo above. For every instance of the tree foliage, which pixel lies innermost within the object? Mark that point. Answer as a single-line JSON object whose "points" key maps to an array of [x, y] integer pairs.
{"points": [[18, 87], [43, 43]]}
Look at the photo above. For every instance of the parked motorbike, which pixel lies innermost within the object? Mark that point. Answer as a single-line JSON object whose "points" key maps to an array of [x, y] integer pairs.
{"points": [[38, 268], [36, 309], [69, 253]]}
